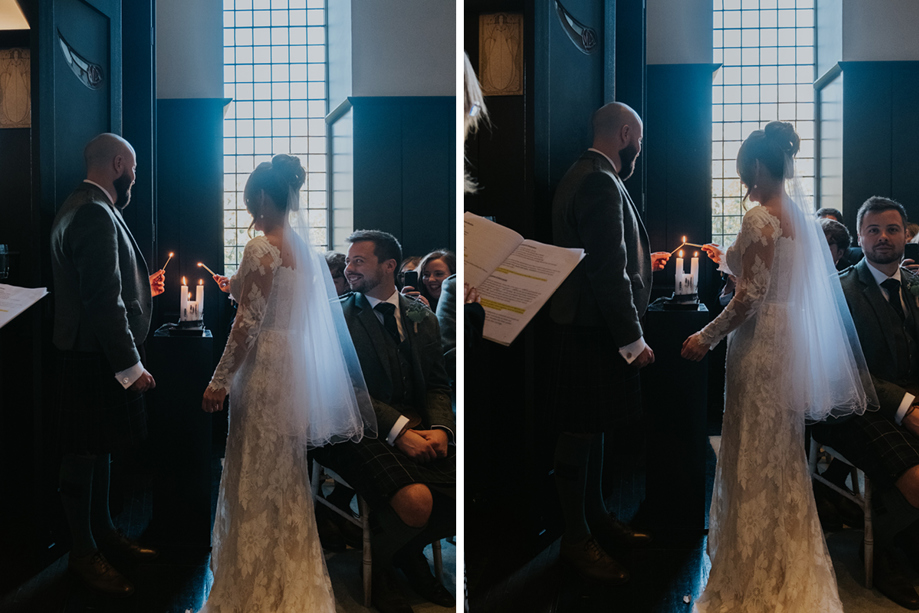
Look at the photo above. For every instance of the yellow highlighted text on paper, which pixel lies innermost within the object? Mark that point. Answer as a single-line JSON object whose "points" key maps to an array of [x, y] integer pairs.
{"points": [[497, 306], [519, 274]]}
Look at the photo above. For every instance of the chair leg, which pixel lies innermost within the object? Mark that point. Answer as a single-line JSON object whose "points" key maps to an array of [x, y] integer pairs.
{"points": [[316, 479], [869, 537], [438, 560], [812, 456], [367, 560]]}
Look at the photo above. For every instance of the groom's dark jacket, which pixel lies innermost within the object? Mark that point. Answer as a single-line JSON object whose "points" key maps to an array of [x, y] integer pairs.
{"points": [[101, 289], [890, 346], [378, 352]]}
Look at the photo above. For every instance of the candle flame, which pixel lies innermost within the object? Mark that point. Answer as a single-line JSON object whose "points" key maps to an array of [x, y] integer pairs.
{"points": [[681, 253], [200, 264], [696, 254], [684, 239], [189, 297], [200, 282], [171, 254], [183, 281]]}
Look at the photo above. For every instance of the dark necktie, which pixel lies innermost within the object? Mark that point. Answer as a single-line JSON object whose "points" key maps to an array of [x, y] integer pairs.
{"points": [[389, 319], [893, 290]]}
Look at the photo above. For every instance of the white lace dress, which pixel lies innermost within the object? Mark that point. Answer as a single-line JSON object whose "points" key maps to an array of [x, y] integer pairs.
{"points": [[267, 557], [765, 542]]}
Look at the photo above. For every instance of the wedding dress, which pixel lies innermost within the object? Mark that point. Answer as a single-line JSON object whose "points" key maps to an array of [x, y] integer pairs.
{"points": [[765, 542], [284, 371]]}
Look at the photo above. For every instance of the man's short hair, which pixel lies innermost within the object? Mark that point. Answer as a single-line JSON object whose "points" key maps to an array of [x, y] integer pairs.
{"points": [[879, 204], [828, 212], [336, 261], [836, 233], [385, 245]]}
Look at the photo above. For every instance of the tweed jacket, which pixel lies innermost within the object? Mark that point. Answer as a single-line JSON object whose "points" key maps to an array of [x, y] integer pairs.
{"points": [[612, 284], [431, 385], [880, 331], [102, 300]]}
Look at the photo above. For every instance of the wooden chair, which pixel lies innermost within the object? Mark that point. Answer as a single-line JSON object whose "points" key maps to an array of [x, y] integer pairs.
{"points": [[863, 500], [320, 474]]}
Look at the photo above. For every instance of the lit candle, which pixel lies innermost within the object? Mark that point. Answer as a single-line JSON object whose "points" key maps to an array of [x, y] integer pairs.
{"points": [[694, 270], [183, 301], [679, 273], [199, 299]]}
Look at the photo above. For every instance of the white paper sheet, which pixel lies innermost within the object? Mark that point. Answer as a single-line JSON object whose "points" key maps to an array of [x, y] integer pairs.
{"points": [[14, 300]]}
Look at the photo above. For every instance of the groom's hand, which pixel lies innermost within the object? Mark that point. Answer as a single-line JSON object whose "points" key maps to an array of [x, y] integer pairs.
{"points": [[659, 260], [644, 358], [416, 446], [911, 421], [438, 439]]}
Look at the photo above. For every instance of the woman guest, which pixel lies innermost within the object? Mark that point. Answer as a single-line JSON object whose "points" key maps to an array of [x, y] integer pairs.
{"points": [[435, 268]]}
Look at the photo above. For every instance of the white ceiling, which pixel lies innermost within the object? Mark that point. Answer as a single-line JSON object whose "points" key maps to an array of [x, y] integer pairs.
{"points": [[11, 17]]}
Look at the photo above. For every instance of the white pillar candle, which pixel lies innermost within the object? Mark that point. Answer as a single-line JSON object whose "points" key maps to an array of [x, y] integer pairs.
{"points": [[694, 270], [679, 273], [199, 299], [183, 301]]}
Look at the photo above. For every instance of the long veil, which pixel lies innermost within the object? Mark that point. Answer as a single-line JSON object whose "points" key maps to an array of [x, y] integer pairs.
{"points": [[825, 371], [330, 398]]}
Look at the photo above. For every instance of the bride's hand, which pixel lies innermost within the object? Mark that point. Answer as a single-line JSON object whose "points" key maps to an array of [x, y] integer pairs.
{"points": [[694, 349], [714, 252], [213, 400], [223, 283]]}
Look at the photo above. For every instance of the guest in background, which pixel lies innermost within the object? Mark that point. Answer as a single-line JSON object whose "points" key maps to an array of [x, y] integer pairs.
{"points": [[852, 253], [837, 235], [435, 267], [829, 213], [336, 262], [912, 230], [409, 263]]}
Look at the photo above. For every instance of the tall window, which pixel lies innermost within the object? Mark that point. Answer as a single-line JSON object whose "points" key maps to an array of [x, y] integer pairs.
{"points": [[275, 70], [767, 51]]}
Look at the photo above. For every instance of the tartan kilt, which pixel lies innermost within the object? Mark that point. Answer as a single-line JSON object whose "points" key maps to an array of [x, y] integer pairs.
{"points": [[873, 443], [376, 470], [595, 388], [95, 414]]}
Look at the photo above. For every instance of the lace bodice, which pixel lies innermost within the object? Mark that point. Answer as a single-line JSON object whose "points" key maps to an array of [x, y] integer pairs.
{"points": [[760, 258]]}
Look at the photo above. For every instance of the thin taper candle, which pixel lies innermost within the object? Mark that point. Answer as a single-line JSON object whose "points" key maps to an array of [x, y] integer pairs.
{"points": [[201, 265], [167, 261]]}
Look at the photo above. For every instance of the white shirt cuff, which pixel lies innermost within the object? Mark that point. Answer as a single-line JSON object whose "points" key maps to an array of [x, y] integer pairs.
{"points": [[396, 430], [904, 406], [631, 351], [127, 377]]}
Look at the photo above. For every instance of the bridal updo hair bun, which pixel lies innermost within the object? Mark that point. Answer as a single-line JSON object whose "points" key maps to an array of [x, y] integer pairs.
{"points": [[280, 180], [783, 134], [774, 147]]}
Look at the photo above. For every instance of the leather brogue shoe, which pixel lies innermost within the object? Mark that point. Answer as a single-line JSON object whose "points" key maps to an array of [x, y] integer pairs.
{"points": [[891, 582], [385, 595], [96, 572], [117, 544], [614, 534], [588, 559], [418, 572]]}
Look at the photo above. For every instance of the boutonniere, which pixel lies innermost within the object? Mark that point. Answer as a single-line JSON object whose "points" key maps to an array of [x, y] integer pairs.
{"points": [[912, 286], [416, 312]]}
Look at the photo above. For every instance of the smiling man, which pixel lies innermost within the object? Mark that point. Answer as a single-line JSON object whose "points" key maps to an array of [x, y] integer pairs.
{"points": [[408, 474]]}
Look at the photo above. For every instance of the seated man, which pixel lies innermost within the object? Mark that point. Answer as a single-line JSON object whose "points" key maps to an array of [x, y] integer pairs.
{"points": [[408, 473], [885, 443]]}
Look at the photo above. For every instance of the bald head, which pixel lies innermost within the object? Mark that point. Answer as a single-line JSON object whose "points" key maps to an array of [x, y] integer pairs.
{"points": [[608, 120], [617, 133], [101, 151], [110, 164]]}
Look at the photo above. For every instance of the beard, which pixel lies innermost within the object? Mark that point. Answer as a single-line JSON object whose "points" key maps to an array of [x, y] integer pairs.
{"points": [[122, 191], [364, 283], [884, 258], [627, 157]]}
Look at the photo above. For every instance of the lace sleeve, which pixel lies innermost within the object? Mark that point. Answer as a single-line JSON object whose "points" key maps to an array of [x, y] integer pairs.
{"points": [[253, 283], [752, 253]]}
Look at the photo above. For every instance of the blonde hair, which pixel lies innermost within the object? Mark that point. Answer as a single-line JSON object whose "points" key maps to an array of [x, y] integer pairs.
{"points": [[471, 120]]}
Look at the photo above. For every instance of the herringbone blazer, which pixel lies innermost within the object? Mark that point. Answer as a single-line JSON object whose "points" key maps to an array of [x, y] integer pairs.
{"points": [[430, 382], [612, 284], [102, 300]]}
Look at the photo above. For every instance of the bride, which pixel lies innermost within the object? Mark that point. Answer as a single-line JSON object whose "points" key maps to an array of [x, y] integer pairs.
{"points": [[793, 358], [295, 382]]}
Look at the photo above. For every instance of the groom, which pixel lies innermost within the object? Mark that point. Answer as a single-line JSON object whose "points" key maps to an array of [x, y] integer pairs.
{"points": [[102, 306], [408, 473], [885, 443]]}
